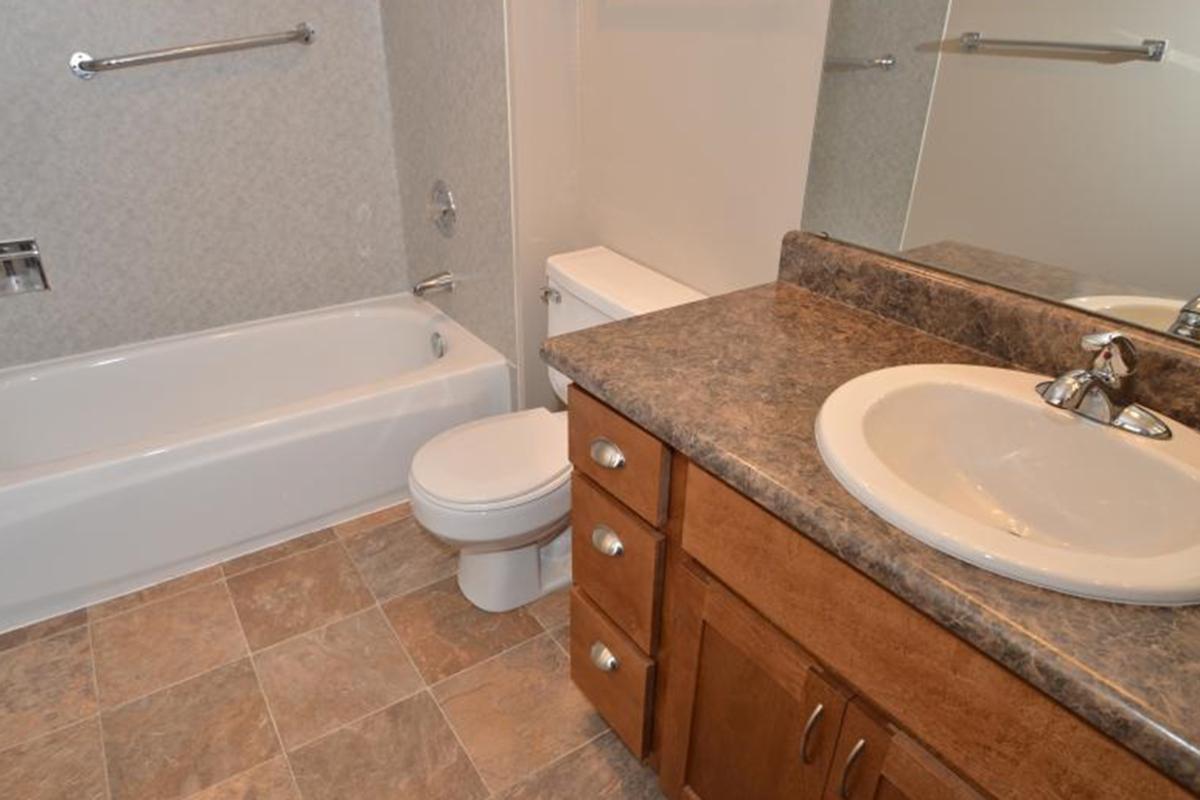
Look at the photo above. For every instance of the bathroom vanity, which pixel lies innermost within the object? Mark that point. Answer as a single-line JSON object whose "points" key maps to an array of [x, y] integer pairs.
{"points": [[753, 631]]}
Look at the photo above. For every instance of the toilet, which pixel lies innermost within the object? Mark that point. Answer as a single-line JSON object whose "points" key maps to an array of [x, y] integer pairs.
{"points": [[499, 488]]}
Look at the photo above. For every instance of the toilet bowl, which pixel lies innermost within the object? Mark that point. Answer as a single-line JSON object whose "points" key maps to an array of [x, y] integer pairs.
{"points": [[499, 488]]}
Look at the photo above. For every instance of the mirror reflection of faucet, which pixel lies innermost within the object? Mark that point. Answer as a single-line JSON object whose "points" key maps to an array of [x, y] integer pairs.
{"points": [[1187, 324]]}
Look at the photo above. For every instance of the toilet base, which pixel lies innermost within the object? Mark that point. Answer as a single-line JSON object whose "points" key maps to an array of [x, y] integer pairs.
{"points": [[502, 580]]}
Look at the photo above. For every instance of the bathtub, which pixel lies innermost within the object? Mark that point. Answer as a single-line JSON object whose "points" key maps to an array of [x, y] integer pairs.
{"points": [[124, 467]]}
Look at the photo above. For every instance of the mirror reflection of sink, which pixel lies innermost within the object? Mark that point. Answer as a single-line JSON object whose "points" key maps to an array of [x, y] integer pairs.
{"points": [[971, 461], [1157, 313]]}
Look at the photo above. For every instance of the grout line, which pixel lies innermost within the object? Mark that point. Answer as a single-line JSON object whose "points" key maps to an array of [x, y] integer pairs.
{"points": [[390, 597], [93, 619], [54, 635], [557, 759], [462, 745], [262, 692], [186, 678], [99, 711], [351, 722], [492, 657]]}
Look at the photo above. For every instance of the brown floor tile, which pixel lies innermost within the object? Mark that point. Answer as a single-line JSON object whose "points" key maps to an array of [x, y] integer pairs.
{"points": [[190, 736], [265, 556], [65, 765], [405, 751], [378, 519], [602, 769], [158, 591], [40, 630], [400, 557], [297, 594], [333, 675], [445, 634], [552, 610], [44, 685], [268, 781], [518, 712], [153, 646], [562, 635]]}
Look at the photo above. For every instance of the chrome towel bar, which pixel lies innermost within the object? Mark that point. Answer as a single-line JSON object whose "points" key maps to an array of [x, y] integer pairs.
{"points": [[1149, 49], [84, 66]]}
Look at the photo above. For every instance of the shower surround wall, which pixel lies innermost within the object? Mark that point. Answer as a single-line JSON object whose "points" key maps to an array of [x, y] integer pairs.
{"points": [[449, 92], [181, 196]]}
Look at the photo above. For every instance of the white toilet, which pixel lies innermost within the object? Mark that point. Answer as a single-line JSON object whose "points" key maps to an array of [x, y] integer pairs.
{"points": [[499, 488]]}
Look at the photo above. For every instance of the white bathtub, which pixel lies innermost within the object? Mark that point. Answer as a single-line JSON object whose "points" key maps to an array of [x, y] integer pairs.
{"points": [[125, 467]]}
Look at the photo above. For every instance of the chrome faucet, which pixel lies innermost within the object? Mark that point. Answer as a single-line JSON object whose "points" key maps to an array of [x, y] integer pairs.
{"points": [[1104, 391], [441, 282], [1187, 324]]}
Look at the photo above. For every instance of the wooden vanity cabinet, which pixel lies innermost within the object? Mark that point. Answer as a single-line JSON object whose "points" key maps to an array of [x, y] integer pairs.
{"points": [[744, 661]]}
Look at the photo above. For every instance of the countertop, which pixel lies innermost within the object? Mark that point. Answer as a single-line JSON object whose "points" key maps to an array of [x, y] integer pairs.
{"points": [[735, 382]]}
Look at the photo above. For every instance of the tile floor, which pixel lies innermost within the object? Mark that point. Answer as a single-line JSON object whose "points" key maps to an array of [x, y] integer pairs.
{"points": [[342, 664]]}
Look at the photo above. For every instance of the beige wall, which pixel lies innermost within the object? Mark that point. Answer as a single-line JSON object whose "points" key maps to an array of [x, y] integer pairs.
{"points": [[449, 93], [543, 69], [696, 119], [1073, 162], [181, 196]]}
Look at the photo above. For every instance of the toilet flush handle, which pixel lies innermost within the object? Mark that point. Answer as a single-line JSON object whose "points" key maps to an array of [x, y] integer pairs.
{"points": [[607, 454], [605, 540]]}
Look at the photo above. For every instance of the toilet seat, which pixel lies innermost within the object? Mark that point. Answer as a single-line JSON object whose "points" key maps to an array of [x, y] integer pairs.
{"points": [[496, 482]]}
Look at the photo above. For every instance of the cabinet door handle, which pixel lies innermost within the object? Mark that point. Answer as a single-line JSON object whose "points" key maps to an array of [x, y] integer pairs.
{"points": [[855, 752], [605, 540], [603, 658], [607, 454], [813, 720]]}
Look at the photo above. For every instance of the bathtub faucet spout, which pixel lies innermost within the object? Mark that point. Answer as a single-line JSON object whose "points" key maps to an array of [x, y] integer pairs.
{"points": [[441, 282]]}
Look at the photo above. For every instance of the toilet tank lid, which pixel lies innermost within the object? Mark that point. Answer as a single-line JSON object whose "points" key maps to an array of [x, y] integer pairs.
{"points": [[616, 285]]}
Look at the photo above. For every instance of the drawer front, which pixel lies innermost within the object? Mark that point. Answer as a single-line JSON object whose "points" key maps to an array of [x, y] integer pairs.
{"points": [[620, 689], [617, 560], [621, 457]]}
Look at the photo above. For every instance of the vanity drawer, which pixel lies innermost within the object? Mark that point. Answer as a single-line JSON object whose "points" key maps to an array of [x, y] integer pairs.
{"points": [[616, 558], [620, 689], [618, 455]]}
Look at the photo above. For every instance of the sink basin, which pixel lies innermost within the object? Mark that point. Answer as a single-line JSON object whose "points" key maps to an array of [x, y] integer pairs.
{"points": [[971, 461], [1156, 313]]}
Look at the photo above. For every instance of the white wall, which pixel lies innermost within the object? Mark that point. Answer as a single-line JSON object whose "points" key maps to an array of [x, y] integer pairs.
{"points": [[180, 196], [1068, 161], [697, 118], [543, 69], [449, 93]]}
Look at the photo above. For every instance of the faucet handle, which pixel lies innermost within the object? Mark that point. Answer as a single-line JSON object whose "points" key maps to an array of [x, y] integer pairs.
{"points": [[1116, 357]]}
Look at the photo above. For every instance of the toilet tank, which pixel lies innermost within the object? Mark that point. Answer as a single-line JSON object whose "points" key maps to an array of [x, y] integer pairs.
{"points": [[595, 286]]}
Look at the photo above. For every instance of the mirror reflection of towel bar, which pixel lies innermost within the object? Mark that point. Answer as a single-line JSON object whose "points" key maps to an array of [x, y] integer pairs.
{"points": [[1149, 49], [884, 62]]}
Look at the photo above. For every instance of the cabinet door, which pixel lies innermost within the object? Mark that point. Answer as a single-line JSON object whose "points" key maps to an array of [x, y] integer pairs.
{"points": [[764, 720], [874, 762]]}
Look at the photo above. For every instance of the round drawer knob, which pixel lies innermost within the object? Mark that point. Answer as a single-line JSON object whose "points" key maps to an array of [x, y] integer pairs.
{"points": [[603, 658], [607, 454], [605, 540]]}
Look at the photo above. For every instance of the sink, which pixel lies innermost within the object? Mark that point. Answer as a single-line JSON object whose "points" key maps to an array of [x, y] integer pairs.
{"points": [[971, 461], [1156, 313]]}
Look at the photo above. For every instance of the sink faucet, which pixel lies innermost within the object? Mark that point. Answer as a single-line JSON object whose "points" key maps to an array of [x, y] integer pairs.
{"points": [[1103, 392], [1187, 324]]}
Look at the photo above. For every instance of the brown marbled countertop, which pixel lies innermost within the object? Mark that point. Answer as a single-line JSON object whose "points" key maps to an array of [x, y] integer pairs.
{"points": [[735, 382]]}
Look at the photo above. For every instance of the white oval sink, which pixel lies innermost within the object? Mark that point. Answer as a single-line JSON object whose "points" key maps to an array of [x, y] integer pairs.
{"points": [[1156, 313], [971, 461]]}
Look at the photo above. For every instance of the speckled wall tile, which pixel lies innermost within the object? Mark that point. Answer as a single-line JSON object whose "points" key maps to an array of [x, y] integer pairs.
{"points": [[1038, 335], [174, 197], [449, 95]]}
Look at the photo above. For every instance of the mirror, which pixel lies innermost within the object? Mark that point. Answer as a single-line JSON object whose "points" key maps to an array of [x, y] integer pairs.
{"points": [[1052, 148]]}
